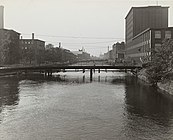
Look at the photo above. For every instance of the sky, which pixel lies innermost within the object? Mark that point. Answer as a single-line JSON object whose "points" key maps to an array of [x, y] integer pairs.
{"points": [[93, 25]]}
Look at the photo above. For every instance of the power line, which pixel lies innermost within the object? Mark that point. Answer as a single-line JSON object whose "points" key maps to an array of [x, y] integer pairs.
{"points": [[74, 37], [85, 44], [91, 47], [68, 43]]}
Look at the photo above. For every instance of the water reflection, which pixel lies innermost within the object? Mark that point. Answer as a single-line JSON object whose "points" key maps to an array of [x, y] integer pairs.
{"points": [[9, 86], [148, 111], [145, 101], [40, 78], [9, 92]]}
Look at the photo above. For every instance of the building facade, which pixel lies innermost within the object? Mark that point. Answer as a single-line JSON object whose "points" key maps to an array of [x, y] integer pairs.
{"points": [[140, 18], [119, 50], [144, 43], [32, 50], [139, 21], [9, 47]]}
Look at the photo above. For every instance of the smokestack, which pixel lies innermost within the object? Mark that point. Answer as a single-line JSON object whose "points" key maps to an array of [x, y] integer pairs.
{"points": [[1, 17], [32, 36]]}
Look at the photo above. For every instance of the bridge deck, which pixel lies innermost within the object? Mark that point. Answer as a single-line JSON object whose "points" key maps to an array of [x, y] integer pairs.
{"points": [[37, 68]]}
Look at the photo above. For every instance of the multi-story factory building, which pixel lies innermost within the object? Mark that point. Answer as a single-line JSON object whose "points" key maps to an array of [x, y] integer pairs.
{"points": [[32, 50], [144, 26]]}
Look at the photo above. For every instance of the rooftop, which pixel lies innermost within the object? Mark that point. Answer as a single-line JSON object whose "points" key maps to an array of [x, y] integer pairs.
{"points": [[145, 7], [9, 30]]}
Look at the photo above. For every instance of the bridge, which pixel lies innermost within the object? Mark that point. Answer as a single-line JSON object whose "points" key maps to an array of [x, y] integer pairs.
{"points": [[94, 60], [49, 69]]}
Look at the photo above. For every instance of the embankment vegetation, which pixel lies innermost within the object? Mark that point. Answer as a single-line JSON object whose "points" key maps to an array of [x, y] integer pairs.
{"points": [[160, 69]]}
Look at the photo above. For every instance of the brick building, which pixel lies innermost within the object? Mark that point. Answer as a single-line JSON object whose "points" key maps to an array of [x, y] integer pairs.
{"points": [[32, 50], [9, 47], [119, 50]]}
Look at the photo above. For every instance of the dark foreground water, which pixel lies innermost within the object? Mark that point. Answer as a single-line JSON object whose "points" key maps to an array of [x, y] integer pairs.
{"points": [[70, 107]]}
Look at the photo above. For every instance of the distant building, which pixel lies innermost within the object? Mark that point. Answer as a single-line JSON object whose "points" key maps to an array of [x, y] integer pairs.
{"points": [[1, 17], [118, 50], [101, 56], [68, 56], [32, 50], [81, 55], [106, 55], [9, 46], [138, 20]]}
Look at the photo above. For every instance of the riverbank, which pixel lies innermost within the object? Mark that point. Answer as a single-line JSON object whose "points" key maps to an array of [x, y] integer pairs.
{"points": [[164, 87]]}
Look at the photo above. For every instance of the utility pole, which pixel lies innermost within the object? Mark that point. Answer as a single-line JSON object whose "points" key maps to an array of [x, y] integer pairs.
{"points": [[62, 52], [108, 53]]}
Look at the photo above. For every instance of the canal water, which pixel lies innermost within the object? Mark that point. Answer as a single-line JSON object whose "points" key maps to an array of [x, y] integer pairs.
{"points": [[68, 106]]}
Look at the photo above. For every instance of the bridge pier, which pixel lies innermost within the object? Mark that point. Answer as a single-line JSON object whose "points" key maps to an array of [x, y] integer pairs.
{"points": [[48, 73], [83, 70], [98, 70], [83, 78], [91, 75], [99, 78], [45, 73]]}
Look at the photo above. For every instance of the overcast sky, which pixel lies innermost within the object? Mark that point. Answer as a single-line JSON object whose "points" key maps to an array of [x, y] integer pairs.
{"points": [[92, 24]]}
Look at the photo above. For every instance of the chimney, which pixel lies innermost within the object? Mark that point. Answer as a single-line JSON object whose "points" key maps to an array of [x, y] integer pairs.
{"points": [[32, 36], [1, 17], [59, 44]]}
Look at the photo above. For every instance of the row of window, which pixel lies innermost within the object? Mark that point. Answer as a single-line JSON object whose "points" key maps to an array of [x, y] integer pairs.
{"points": [[158, 34], [27, 42]]}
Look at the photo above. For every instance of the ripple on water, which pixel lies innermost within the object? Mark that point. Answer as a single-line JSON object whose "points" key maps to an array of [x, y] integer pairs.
{"points": [[72, 107]]}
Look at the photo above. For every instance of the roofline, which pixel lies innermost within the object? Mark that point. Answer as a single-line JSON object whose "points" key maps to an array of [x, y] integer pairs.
{"points": [[143, 7], [11, 30], [34, 39], [161, 28]]}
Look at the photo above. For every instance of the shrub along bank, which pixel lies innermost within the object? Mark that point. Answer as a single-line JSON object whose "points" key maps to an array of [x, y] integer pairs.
{"points": [[159, 71]]}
